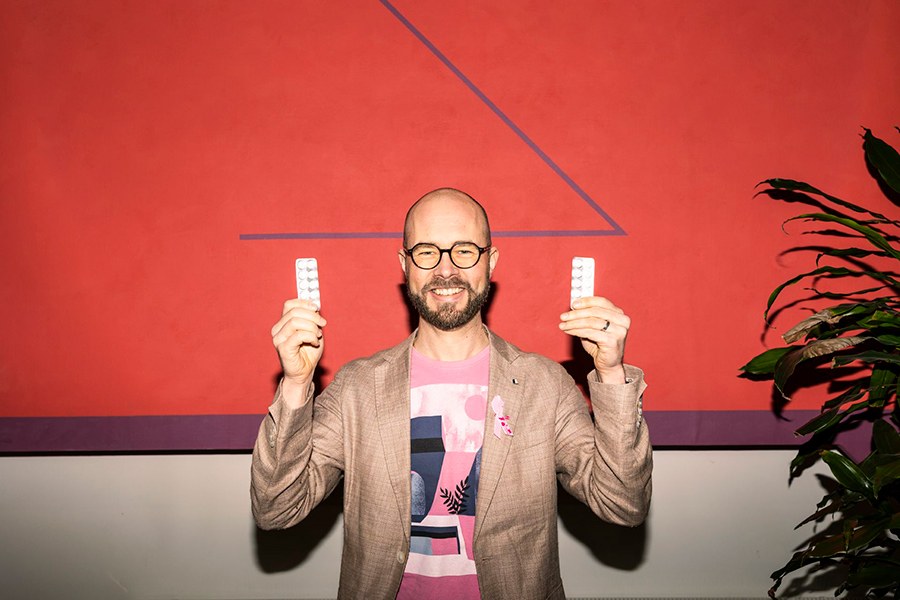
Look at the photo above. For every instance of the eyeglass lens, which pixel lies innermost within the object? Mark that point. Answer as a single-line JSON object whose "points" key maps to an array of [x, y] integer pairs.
{"points": [[462, 254]]}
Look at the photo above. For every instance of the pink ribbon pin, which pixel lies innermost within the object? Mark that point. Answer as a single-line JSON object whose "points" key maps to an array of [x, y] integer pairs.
{"points": [[501, 422]]}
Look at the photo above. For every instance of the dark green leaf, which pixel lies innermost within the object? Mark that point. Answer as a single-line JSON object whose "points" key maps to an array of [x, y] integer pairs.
{"points": [[876, 575], [884, 158], [822, 512], [788, 363], [887, 439], [886, 474], [881, 385], [830, 418], [874, 237], [829, 546], [827, 272], [868, 356], [886, 317], [847, 472], [864, 535], [851, 252], [764, 364], [854, 393], [841, 296], [799, 186]]}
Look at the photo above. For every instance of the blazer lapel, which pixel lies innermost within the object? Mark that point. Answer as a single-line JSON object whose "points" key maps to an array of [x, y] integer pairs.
{"points": [[506, 382], [392, 410]]}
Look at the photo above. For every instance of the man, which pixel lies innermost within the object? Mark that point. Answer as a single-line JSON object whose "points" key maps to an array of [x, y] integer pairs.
{"points": [[450, 444]]}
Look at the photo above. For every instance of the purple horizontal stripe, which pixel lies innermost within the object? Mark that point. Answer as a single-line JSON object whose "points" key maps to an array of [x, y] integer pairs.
{"points": [[363, 235], [323, 235], [128, 434], [238, 432], [555, 233]]}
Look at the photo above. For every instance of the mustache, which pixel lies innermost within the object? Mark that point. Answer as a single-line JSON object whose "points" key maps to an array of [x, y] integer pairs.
{"points": [[452, 281]]}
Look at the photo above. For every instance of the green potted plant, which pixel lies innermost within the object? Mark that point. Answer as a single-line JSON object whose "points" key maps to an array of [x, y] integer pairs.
{"points": [[854, 344]]}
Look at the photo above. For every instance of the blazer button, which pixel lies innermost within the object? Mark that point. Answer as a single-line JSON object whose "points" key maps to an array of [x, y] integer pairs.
{"points": [[400, 556]]}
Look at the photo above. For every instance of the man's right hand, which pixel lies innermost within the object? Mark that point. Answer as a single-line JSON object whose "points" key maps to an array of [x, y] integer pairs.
{"points": [[297, 337]]}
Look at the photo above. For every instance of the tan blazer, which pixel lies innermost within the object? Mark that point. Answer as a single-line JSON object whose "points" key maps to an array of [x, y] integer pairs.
{"points": [[359, 428]]}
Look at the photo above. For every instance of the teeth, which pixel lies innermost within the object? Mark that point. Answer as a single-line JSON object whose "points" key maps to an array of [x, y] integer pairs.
{"points": [[446, 291]]}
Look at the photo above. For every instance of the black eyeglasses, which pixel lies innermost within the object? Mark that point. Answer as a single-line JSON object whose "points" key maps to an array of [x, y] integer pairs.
{"points": [[464, 255]]}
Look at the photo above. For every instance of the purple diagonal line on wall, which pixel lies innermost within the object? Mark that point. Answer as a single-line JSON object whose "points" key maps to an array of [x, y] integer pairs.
{"points": [[503, 117]]}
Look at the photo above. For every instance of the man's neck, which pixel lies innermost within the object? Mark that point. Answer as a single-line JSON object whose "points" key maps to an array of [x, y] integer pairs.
{"points": [[459, 344]]}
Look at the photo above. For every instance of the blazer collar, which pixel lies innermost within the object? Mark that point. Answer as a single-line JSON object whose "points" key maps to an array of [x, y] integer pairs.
{"points": [[392, 412], [508, 382]]}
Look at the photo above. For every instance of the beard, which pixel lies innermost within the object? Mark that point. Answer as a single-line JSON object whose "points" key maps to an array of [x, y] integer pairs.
{"points": [[447, 317]]}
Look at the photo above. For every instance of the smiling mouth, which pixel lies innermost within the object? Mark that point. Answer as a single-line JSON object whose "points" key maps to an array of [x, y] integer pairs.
{"points": [[447, 291]]}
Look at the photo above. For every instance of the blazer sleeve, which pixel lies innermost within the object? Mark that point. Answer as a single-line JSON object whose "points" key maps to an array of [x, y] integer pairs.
{"points": [[298, 458], [606, 464]]}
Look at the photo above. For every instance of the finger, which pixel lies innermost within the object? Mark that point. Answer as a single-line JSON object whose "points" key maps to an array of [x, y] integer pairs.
{"points": [[595, 302], [292, 303], [297, 314], [304, 338], [294, 325], [599, 318], [601, 338], [293, 344]]}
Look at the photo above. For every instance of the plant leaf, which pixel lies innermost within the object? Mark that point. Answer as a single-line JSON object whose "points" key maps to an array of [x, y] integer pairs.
{"points": [[830, 546], [788, 363], [874, 237], [867, 356], [822, 512], [847, 473], [884, 158], [881, 386], [886, 317], [854, 393], [864, 535], [887, 439], [876, 575], [799, 330], [886, 474], [841, 296], [830, 418], [851, 252], [799, 186], [828, 272], [764, 364]]}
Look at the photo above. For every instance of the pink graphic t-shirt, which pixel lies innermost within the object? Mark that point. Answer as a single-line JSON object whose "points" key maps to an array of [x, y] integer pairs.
{"points": [[448, 402]]}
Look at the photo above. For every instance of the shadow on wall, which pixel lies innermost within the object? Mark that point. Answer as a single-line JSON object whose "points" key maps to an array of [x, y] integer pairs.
{"points": [[285, 549], [612, 545]]}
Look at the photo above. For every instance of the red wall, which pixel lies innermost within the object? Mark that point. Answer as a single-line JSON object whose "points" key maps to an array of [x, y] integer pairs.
{"points": [[145, 144]]}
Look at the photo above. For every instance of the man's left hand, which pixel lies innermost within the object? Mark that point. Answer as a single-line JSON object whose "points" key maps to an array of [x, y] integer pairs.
{"points": [[602, 327]]}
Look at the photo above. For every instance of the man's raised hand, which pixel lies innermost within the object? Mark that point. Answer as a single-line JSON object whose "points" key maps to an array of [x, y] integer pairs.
{"points": [[297, 336], [603, 328]]}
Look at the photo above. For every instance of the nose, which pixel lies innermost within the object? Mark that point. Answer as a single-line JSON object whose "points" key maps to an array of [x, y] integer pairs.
{"points": [[445, 267]]}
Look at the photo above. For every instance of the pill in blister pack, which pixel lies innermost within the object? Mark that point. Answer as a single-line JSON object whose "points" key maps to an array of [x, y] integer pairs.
{"points": [[308, 280], [582, 278]]}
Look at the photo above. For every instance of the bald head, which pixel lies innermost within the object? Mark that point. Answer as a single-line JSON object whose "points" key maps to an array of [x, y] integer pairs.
{"points": [[451, 201]]}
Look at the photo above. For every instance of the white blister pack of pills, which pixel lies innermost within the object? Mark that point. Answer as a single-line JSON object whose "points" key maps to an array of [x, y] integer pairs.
{"points": [[308, 280], [582, 278]]}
